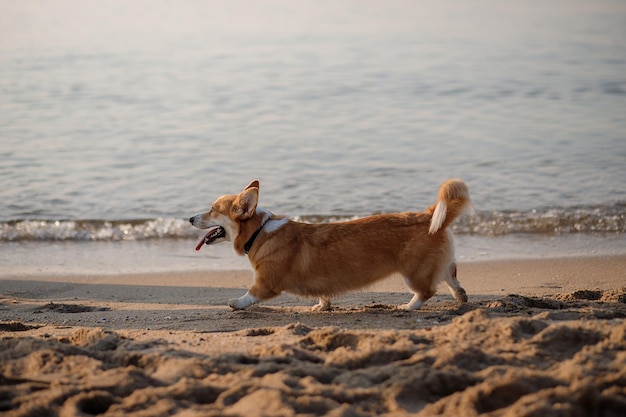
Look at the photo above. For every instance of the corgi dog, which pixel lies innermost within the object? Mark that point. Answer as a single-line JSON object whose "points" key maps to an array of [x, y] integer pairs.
{"points": [[326, 259]]}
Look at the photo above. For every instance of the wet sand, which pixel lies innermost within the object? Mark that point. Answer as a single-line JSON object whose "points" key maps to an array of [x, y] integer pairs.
{"points": [[537, 337]]}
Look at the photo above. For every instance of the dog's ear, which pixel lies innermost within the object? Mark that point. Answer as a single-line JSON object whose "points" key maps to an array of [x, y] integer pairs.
{"points": [[253, 184], [244, 205]]}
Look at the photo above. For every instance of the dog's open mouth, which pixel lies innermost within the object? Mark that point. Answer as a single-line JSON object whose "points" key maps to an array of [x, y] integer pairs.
{"points": [[211, 236]]}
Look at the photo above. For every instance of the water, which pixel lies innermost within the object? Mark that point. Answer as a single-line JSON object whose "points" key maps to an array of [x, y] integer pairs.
{"points": [[120, 119]]}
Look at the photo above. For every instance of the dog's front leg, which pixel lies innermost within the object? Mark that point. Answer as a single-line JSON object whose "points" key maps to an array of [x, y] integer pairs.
{"points": [[243, 302], [258, 292]]}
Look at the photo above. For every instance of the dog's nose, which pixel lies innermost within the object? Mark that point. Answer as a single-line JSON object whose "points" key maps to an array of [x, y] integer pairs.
{"points": [[191, 219]]}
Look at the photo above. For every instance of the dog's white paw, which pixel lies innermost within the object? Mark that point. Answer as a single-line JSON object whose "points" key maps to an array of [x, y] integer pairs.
{"points": [[408, 307], [414, 304], [243, 302], [234, 304], [323, 305]]}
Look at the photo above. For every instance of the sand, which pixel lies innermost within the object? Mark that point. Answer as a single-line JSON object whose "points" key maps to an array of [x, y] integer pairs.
{"points": [[538, 337]]}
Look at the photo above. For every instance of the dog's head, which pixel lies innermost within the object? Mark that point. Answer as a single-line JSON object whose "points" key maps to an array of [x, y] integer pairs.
{"points": [[226, 215]]}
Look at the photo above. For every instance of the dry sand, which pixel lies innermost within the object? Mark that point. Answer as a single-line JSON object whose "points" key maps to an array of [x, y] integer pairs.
{"points": [[537, 338]]}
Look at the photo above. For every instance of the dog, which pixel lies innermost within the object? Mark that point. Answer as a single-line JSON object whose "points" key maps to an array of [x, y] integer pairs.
{"points": [[326, 259]]}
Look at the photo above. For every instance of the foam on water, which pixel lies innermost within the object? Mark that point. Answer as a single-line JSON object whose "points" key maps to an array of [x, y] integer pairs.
{"points": [[554, 221]]}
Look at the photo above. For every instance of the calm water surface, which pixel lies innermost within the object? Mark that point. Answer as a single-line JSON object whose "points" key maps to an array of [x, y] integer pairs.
{"points": [[119, 119]]}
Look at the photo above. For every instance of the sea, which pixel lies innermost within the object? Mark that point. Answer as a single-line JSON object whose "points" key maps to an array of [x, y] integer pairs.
{"points": [[121, 119]]}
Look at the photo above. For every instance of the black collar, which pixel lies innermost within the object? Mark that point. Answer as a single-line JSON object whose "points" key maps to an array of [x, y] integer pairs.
{"points": [[250, 242]]}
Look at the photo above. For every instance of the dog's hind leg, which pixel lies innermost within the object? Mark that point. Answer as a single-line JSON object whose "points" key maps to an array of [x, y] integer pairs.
{"points": [[455, 286], [416, 302], [421, 292], [323, 305], [422, 279]]}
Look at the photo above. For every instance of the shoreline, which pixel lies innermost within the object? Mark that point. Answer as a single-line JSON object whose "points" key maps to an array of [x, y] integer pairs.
{"points": [[561, 273], [63, 258], [199, 298]]}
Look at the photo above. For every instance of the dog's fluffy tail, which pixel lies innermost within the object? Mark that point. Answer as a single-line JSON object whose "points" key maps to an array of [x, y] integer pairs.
{"points": [[453, 200]]}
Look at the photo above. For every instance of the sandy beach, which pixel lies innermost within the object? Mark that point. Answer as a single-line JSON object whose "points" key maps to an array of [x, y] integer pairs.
{"points": [[122, 120], [537, 337]]}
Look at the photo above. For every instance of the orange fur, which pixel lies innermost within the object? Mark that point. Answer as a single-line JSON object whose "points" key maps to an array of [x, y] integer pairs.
{"points": [[326, 259]]}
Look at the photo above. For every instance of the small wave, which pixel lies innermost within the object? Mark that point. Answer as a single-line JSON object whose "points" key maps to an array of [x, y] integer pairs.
{"points": [[96, 230], [548, 221]]}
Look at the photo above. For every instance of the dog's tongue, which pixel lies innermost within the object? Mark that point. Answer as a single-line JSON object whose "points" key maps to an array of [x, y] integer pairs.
{"points": [[201, 243], [210, 237]]}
